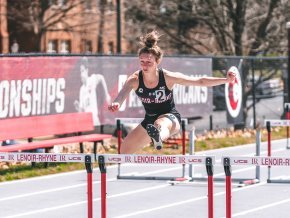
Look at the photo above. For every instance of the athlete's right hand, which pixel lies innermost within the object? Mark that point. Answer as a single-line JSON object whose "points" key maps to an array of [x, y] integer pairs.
{"points": [[114, 106]]}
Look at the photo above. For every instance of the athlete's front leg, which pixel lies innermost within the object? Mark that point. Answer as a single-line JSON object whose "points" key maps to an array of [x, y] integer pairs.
{"points": [[164, 127], [135, 140]]}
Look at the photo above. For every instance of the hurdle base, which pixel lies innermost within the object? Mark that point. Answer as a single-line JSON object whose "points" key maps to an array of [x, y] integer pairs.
{"points": [[240, 180], [278, 181], [151, 178]]}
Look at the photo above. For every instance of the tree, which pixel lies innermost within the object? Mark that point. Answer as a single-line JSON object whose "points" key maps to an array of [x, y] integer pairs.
{"points": [[219, 27], [31, 19]]}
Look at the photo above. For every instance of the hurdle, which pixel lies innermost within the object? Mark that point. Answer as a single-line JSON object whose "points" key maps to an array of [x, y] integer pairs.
{"points": [[256, 161], [208, 162], [64, 158], [242, 181], [269, 124], [119, 122]]}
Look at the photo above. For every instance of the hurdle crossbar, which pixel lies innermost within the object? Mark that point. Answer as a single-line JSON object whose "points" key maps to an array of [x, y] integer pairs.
{"points": [[119, 122], [64, 158], [207, 161]]}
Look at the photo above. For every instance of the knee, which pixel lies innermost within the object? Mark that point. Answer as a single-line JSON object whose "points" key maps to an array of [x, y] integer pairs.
{"points": [[158, 124]]}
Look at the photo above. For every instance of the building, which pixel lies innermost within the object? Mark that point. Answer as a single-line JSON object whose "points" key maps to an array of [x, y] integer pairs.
{"points": [[4, 36], [61, 26]]}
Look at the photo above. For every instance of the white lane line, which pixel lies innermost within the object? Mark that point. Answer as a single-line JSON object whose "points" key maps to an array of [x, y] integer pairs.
{"points": [[130, 193], [186, 201], [77, 186], [85, 202], [51, 176], [261, 207]]}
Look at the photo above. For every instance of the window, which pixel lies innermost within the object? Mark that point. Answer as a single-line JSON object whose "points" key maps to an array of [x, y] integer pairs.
{"points": [[65, 46], [52, 2], [87, 46], [88, 5], [111, 48], [57, 3], [52, 46]]}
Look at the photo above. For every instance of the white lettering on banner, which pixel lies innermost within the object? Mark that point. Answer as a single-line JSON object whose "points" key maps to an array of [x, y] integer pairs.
{"points": [[31, 97], [182, 95], [190, 94]]}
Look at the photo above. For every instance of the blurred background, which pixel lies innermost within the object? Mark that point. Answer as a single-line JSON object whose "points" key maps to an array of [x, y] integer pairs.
{"points": [[251, 35]]}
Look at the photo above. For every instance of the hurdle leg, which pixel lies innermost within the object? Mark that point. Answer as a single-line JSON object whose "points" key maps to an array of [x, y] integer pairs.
{"points": [[227, 168], [183, 145], [258, 153], [89, 168], [268, 126], [191, 150], [119, 135], [287, 128], [103, 170], [209, 170]]}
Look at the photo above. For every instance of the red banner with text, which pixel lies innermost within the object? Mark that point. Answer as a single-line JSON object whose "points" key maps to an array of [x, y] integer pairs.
{"points": [[42, 85]]}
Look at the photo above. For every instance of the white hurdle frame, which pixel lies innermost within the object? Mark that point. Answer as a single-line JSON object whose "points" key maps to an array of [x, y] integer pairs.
{"points": [[119, 122], [256, 161], [269, 124], [208, 162], [242, 181]]}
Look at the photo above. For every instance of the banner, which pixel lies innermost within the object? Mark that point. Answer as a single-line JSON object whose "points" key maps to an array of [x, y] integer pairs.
{"points": [[42, 85]]}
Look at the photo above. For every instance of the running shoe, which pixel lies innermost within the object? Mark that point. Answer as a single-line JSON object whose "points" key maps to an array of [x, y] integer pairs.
{"points": [[153, 132]]}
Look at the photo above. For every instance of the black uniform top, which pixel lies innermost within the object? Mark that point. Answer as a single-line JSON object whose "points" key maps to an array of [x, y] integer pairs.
{"points": [[158, 100]]}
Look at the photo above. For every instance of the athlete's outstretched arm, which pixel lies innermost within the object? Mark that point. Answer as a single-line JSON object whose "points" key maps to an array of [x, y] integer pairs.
{"points": [[131, 83], [182, 79]]}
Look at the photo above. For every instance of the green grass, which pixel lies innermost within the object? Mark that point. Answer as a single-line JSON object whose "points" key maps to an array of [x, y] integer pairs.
{"points": [[206, 141], [27, 171]]}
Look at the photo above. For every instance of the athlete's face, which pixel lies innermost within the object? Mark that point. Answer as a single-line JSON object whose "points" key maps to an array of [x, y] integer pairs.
{"points": [[148, 62]]}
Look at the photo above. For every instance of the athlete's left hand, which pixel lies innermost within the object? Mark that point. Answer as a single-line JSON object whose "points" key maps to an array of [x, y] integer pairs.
{"points": [[231, 76]]}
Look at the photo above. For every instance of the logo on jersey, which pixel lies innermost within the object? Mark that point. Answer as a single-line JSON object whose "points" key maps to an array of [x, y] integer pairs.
{"points": [[140, 90]]}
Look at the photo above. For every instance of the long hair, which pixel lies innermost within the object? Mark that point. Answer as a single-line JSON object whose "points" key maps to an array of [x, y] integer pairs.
{"points": [[149, 45]]}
